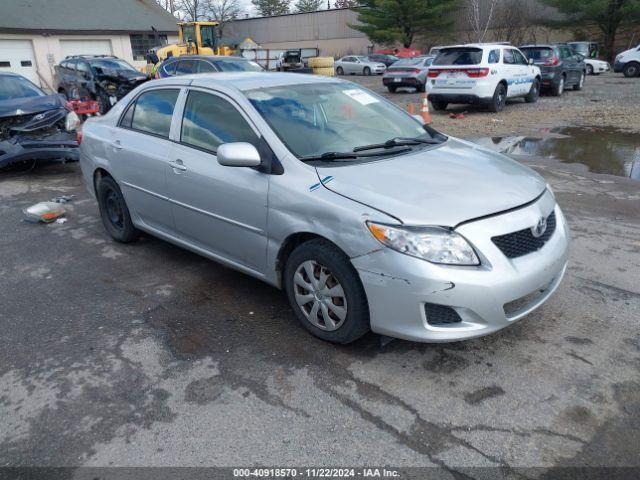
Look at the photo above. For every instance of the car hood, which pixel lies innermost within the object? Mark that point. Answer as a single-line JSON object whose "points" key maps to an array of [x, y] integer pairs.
{"points": [[444, 186], [29, 105], [122, 75]]}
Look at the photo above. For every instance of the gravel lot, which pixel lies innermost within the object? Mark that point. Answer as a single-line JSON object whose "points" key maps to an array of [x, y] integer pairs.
{"points": [[606, 100], [145, 354]]}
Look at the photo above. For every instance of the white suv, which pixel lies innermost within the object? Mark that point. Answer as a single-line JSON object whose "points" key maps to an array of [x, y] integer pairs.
{"points": [[628, 62], [487, 74]]}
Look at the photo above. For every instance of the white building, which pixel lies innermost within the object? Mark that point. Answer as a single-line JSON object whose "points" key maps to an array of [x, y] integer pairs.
{"points": [[35, 35]]}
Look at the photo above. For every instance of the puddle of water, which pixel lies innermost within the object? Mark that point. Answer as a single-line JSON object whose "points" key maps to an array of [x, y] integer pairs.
{"points": [[602, 150]]}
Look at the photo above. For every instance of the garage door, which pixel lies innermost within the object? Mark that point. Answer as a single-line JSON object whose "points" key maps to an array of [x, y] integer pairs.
{"points": [[85, 47], [17, 56]]}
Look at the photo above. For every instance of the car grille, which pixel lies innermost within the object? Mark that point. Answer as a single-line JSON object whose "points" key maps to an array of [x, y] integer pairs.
{"points": [[440, 314], [523, 242]]}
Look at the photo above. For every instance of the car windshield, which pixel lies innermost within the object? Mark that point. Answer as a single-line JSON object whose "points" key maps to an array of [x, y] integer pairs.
{"points": [[17, 87], [459, 56], [313, 119], [110, 64], [537, 53], [229, 65]]}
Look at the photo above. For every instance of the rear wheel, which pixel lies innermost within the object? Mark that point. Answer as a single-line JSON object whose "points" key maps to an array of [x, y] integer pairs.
{"points": [[114, 212], [439, 106], [580, 84], [499, 99], [631, 69], [534, 92], [326, 293], [558, 88], [421, 88], [103, 102], [366, 71]]}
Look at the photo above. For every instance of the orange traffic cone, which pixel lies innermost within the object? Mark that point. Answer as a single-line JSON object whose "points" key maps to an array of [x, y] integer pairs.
{"points": [[411, 111], [424, 110]]}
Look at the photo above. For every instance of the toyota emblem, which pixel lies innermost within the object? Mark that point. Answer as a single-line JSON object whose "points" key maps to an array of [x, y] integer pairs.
{"points": [[540, 227]]}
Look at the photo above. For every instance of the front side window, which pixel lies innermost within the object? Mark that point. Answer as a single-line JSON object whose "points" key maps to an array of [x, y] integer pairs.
{"points": [[520, 60], [208, 35], [459, 56], [205, 67], [82, 67], [153, 111], [209, 121], [508, 57], [313, 119]]}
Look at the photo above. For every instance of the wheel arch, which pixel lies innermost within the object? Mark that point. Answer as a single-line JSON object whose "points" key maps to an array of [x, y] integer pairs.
{"points": [[98, 174]]}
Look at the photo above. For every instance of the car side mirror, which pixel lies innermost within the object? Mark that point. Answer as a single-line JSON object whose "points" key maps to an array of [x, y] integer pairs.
{"points": [[238, 154], [530, 61]]}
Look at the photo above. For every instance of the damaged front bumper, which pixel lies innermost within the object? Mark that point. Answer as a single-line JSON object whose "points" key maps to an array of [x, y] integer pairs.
{"points": [[59, 145], [407, 294]]}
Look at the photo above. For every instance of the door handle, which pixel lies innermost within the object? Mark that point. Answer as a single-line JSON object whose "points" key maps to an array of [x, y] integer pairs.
{"points": [[178, 165], [117, 145]]}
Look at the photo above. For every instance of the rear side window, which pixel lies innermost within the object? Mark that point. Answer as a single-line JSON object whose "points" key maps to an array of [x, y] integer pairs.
{"points": [[170, 68], [185, 67], [153, 111], [459, 56], [494, 56], [209, 121], [538, 53]]}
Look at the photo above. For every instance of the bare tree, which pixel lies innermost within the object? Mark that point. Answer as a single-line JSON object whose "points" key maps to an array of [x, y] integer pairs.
{"points": [[192, 10], [479, 16], [516, 21], [223, 11]]}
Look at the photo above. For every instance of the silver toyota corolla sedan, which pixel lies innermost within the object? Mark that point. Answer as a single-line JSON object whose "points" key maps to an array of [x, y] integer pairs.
{"points": [[368, 219]]}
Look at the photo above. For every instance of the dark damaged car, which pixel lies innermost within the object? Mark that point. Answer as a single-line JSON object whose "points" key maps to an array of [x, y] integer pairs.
{"points": [[34, 125], [103, 78]]}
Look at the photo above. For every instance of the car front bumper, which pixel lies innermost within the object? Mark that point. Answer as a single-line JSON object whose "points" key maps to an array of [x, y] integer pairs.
{"points": [[618, 67], [56, 146], [486, 298]]}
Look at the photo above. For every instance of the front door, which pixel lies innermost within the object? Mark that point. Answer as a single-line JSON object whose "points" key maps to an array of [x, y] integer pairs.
{"points": [[220, 209], [139, 155]]}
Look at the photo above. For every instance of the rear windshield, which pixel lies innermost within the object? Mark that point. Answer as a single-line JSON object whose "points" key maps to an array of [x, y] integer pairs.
{"points": [[537, 53], [228, 65], [408, 61], [459, 56]]}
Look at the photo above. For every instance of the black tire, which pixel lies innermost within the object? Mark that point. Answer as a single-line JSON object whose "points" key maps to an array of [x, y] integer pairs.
{"points": [[392, 88], [421, 88], [339, 71], [366, 71], [631, 69], [499, 99], [589, 69], [534, 92], [578, 86], [114, 211], [558, 88], [439, 106], [356, 322], [103, 103]]}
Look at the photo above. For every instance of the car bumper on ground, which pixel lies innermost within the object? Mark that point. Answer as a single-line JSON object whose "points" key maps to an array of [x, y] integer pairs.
{"points": [[58, 146], [404, 291], [401, 81], [618, 67]]}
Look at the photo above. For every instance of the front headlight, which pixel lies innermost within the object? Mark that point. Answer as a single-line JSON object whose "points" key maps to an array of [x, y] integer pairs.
{"points": [[72, 121], [434, 244]]}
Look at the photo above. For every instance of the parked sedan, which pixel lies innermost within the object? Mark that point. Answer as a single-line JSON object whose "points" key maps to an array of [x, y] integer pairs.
{"points": [[356, 65], [365, 217], [188, 64], [34, 125], [560, 66], [408, 72]]}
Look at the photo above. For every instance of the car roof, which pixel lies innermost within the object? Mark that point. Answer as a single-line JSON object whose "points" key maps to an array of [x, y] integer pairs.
{"points": [[242, 81], [478, 45], [206, 57], [540, 45]]}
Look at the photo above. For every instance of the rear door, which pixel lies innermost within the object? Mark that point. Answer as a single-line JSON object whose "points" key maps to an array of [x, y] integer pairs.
{"points": [[220, 209], [569, 63], [185, 67], [139, 155]]}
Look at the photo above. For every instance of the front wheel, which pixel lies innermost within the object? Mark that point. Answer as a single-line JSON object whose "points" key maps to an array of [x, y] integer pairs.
{"points": [[499, 99], [534, 92], [580, 84], [589, 69], [326, 293], [366, 71], [114, 212], [631, 69]]}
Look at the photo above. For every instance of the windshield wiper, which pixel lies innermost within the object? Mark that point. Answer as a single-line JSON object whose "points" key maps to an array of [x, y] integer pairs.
{"points": [[397, 142], [331, 156]]}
